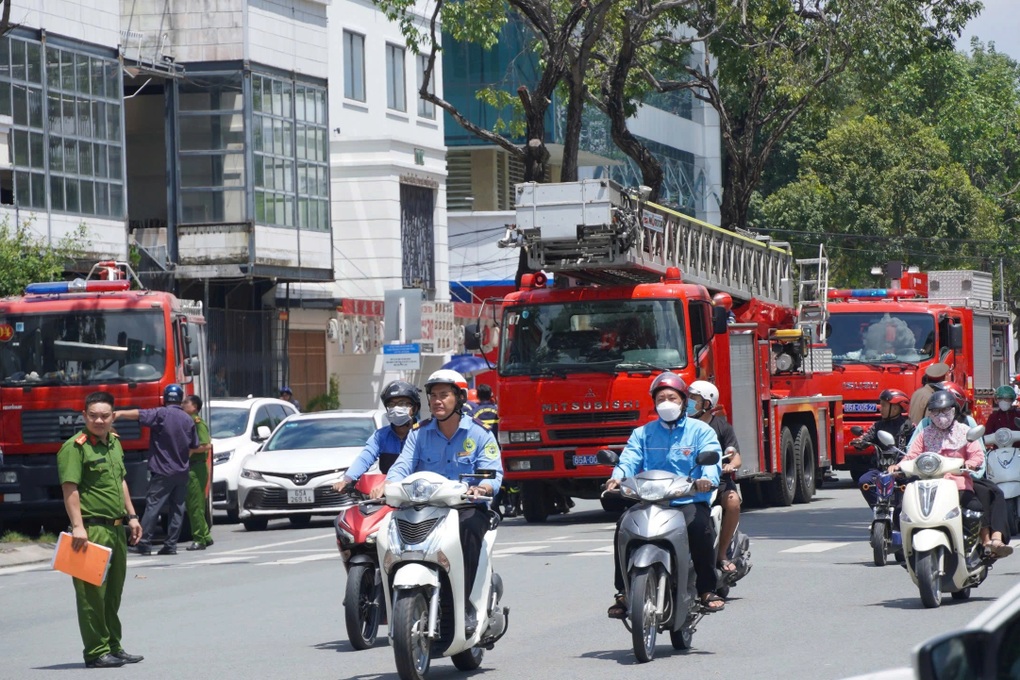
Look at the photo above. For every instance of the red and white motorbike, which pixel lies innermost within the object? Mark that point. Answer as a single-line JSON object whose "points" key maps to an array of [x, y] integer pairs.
{"points": [[1003, 468]]}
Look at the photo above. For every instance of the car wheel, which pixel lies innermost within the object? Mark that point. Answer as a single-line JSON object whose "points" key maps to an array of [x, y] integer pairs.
{"points": [[256, 524], [300, 520]]}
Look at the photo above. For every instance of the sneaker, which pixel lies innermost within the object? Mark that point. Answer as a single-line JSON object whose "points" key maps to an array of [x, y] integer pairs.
{"points": [[167, 550], [140, 549], [128, 658]]}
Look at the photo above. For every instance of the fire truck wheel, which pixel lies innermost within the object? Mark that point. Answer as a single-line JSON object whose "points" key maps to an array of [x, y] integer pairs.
{"points": [[536, 499], [784, 483], [806, 469]]}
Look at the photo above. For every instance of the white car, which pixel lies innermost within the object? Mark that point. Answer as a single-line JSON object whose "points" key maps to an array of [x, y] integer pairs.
{"points": [[292, 475], [233, 426], [987, 647]]}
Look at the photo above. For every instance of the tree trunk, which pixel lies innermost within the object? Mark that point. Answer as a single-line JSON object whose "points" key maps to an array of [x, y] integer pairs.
{"points": [[572, 133]]}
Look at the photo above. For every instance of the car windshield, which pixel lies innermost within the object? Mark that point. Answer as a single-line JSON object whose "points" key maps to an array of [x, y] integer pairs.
{"points": [[225, 421], [321, 433], [880, 337], [89, 347], [605, 335]]}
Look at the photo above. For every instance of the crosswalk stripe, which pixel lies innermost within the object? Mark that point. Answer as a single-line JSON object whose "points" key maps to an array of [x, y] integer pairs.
{"points": [[305, 558], [814, 547], [516, 550]]}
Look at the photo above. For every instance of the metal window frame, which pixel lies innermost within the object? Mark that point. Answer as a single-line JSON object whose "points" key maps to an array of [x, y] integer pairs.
{"points": [[349, 70]]}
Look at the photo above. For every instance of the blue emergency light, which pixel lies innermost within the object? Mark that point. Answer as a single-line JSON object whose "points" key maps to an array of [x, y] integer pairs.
{"points": [[76, 286]]}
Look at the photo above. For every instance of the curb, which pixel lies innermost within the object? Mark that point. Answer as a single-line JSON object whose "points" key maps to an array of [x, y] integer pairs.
{"points": [[17, 554]]}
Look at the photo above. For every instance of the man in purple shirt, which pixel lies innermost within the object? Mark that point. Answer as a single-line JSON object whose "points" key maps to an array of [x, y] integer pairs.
{"points": [[172, 436]]}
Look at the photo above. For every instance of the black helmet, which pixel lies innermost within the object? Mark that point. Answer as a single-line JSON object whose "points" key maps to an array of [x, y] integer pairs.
{"points": [[401, 388], [942, 399], [173, 394]]}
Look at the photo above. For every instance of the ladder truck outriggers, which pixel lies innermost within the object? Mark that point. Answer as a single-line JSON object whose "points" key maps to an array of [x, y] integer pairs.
{"points": [[631, 297]]}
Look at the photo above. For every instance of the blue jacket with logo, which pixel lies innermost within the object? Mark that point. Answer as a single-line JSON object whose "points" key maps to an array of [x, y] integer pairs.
{"points": [[674, 448], [384, 440], [471, 448]]}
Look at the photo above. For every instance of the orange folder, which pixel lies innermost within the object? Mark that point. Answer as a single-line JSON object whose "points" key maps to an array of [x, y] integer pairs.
{"points": [[90, 565]]}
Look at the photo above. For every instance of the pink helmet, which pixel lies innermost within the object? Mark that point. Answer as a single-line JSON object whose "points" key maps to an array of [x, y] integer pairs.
{"points": [[670, 380]]}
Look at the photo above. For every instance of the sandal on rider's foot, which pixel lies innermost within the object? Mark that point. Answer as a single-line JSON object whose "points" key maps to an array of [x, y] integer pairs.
{"points": [[619, 608], [725, 566], [999, 549], [710, 602]]}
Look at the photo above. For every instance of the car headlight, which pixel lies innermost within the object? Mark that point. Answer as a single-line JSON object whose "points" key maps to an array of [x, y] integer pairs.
{"points": [[419, 491], [9, 477], [520, 437], [221, 456], [251, 474]]}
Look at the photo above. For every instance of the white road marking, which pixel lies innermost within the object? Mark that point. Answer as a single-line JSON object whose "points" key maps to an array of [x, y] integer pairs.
{"points": [[273, 545], [595, 539], [516, 550], [22, 568], [814, 547], [306, 558], [607, 550]]}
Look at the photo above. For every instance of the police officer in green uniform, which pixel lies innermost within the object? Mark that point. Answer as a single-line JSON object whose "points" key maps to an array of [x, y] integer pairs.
{"points": [[198, 477], [98, 503]]}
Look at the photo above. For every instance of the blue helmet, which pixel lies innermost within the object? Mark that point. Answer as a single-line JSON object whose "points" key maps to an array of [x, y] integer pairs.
{"points": [[173, 394]]}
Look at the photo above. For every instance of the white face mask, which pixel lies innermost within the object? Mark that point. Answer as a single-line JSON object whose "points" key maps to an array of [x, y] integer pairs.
{"points": [[399, 415], [669, 411], [1005, 405]]}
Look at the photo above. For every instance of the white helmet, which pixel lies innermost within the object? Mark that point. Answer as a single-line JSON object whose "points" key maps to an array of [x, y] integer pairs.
{"points": [[445, 376], [705, 390]]}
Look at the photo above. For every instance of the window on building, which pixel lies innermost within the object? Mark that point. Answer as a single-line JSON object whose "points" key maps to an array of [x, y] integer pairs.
{"points": [[354, 66], [211, 150], [291, 154], [425, 109], [417, 236], [396, 82], [66, 106]]}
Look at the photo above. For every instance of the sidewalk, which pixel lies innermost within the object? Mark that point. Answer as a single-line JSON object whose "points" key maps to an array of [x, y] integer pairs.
{"points": [[15, 554]]}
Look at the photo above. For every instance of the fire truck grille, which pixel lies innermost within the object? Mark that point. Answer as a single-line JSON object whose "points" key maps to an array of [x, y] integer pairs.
{"points": [[275, 498], [579, 434], [592, 417], [58, 425]]}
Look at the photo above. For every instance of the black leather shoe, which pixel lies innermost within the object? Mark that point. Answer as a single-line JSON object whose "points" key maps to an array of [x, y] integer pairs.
{"points": [[196, 546], [105, 661], [128, 658], [167, 551], [140, 549]]}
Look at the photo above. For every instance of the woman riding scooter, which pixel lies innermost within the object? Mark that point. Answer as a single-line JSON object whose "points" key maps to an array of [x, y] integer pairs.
{"points": [[402, 404], [673, 443]]}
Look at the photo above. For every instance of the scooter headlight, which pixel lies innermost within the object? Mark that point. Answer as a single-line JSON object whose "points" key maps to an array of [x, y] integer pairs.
{"points": [[905, 518], [955, 512], [420, 491], [928, 464], [1003, 437]]}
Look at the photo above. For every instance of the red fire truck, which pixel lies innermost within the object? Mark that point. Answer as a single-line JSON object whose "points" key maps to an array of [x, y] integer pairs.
{"points": [[886, 338], [61, 341], [632, 297]]}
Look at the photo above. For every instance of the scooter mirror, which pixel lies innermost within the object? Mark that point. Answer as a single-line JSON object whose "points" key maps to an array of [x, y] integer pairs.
{"points": [[975, 433], [857, 430], [708, 458], [607, 457], [885, 439]]}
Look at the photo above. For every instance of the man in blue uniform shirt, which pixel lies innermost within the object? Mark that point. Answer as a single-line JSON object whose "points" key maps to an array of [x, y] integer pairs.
{"points": [[451, 445], [672, 443]]}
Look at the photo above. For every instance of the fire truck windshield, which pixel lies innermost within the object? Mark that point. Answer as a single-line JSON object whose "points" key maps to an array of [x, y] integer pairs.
{"points": [[880, 337], [610, 335], [82, 348]]}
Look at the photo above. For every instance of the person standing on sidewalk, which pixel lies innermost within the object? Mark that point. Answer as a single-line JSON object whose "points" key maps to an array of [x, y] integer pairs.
{"points": [[172, 436], [96, 496], [198, 477]]}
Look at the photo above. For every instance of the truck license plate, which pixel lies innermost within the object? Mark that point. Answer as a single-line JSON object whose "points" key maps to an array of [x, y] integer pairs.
{"points": [[585, 460], [302, 496]]}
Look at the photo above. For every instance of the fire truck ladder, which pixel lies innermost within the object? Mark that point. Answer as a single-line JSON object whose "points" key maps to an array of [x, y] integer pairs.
{"points": [[813, 294], [596, 232]]}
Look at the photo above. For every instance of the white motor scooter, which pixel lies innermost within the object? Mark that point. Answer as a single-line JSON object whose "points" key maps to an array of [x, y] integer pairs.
{"points": [[1003, 468], [423, 582], [940, 555]]}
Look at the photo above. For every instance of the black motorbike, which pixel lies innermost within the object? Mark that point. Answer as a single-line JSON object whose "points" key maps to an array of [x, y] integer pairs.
{"points": [[884, 532]]}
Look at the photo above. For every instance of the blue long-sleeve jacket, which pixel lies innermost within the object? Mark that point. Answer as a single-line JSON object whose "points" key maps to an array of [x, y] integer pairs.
{"points": [[383, 440], [657, 446], [471, 448]]}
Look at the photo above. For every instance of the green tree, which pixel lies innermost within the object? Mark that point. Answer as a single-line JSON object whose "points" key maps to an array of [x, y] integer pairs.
{"points": [[875, 191], [25, 258]]}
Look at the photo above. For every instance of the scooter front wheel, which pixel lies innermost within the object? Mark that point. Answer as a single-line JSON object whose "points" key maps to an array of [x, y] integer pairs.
{"points": [[412, 649], [929, 577], [880, 540], [469, 659], [362, 607], [644, 624]]}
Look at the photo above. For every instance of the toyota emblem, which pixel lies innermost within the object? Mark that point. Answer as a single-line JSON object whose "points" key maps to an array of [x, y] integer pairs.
{"points": [[300, 478]]}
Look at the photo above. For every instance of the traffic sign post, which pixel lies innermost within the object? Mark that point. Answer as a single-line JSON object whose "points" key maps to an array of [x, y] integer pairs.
{"points": [[405, 357]]}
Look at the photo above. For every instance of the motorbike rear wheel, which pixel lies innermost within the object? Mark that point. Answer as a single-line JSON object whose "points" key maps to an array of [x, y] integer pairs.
{"points": [[879, 542], [469, 659], [362, 606], [962, 594], [929, 568], [644, 623], [411, 647]]}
